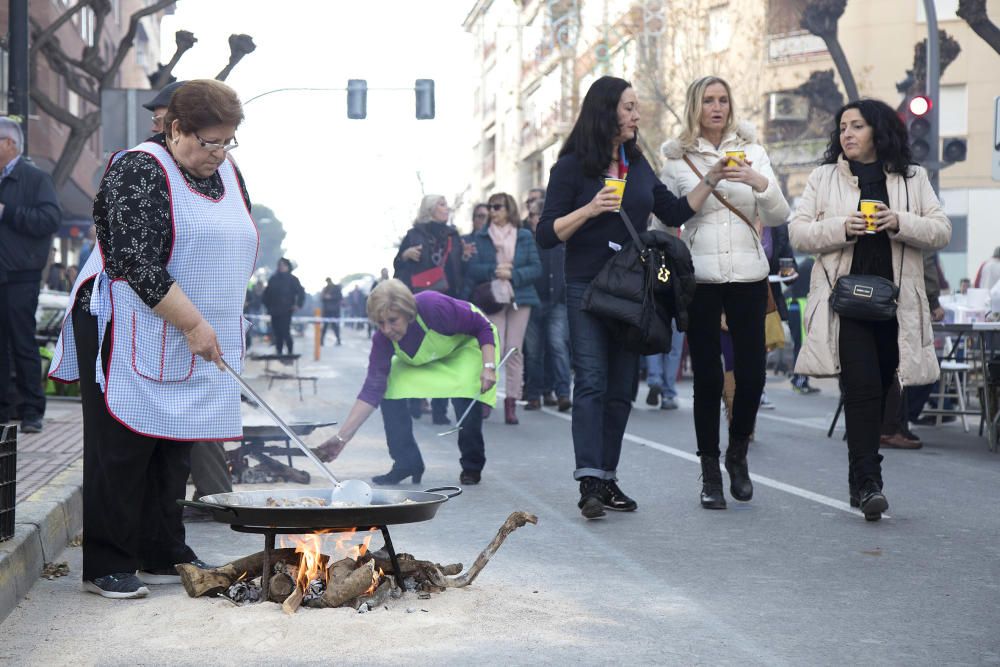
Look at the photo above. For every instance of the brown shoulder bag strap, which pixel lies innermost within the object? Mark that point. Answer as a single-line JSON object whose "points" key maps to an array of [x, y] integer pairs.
{"points": [[736, 211]]}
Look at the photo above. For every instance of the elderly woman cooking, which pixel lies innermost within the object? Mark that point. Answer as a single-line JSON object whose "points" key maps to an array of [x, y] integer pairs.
{"points": [[161, 300], [428, 345]]}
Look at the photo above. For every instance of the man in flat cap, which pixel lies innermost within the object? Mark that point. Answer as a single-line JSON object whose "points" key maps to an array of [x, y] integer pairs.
{"points": [[158, 105]]}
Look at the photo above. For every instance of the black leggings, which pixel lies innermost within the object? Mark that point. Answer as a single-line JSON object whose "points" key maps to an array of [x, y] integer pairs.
{"points": [[869, 356], [744, 305], [281, 331]]}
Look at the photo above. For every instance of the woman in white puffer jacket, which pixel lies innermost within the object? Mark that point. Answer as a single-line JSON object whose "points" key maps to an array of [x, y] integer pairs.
{"points": [[731, 268]]}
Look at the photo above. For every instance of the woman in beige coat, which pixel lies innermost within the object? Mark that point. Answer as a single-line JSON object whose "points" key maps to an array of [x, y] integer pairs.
{"points": [[731, 267], [868, 157]]}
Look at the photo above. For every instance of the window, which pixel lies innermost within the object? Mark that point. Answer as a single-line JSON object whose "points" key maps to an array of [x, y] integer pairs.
{"points": [[953, 117], [87, 23], [945, 10], [720, 29]]}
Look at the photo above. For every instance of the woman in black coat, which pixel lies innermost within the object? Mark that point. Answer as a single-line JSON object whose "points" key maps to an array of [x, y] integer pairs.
{"points": [[582, 212]]}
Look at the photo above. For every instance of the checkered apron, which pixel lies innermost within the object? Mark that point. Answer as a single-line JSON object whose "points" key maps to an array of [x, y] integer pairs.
{"points": [[154, 385]]}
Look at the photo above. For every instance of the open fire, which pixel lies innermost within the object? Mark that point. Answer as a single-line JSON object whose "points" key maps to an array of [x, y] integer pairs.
{"points": [[329, 569], [315, 571]]}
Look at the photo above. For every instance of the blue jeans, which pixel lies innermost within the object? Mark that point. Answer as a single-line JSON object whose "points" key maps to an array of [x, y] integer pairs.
{"points": [[662, 368], [606, 376], [546, 347]]}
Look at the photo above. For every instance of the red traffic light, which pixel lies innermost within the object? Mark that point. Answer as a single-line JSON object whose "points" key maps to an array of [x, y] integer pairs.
{"points": [[920, 105]]}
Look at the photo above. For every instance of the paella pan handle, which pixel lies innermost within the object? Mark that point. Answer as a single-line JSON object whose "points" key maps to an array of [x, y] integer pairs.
{"points": [[205, 506], [457, 491]]}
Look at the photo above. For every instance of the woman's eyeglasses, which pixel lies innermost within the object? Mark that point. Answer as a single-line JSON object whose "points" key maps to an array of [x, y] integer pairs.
{"points": [[498, 207], [209, 146]]}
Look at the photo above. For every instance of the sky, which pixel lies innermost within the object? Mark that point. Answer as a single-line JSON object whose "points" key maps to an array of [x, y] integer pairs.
{"points": [[345, 190]]}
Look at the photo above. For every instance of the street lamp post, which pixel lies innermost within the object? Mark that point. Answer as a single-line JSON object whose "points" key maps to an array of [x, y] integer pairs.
{"points": [[933, 88]]}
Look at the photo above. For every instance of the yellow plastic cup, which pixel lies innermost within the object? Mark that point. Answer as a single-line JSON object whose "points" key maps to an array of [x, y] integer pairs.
{"points": [[619, 185], [869, 207], [735, 154]]}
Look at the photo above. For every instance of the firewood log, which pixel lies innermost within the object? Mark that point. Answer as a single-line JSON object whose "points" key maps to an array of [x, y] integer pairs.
{"points": [[293, 601], [436, 576], [280, 587], [198, 582], [360, 580]]}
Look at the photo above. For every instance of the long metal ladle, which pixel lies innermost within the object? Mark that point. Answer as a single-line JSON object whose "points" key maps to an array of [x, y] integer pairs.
{"points": [[458, 425], [352, 491]]}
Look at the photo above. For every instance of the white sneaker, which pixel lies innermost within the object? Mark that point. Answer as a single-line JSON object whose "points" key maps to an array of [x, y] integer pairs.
{"points": [[765, 403]]}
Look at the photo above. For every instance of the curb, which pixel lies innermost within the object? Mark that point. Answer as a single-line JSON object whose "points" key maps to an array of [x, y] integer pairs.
{"points": [[44, 525]]}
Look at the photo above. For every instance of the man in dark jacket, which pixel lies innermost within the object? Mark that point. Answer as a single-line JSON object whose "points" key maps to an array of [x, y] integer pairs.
{"points": [[283, 296], [333, 296], [29, 216]]}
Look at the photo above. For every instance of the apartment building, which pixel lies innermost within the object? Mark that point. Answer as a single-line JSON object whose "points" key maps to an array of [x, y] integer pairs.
{"points": [[538, 57]]}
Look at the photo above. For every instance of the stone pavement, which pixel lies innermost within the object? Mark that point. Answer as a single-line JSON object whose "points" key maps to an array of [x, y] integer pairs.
{"points": [[48, 512], [42, 456]]}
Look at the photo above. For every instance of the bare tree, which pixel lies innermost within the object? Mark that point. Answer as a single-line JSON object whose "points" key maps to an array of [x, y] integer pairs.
{"points": [[974, 13], [85, 76], [89, 74], [185, 41], [820, 18], [915, 81], [239, 46]]}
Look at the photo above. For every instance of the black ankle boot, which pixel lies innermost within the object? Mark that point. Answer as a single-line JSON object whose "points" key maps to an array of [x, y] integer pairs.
{"points": [[711, 484], [397, 475], [736, 464], [591, 498]]}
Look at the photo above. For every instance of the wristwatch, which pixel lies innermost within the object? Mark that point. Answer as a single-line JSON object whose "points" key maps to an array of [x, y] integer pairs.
{"points": [[490, 365]]}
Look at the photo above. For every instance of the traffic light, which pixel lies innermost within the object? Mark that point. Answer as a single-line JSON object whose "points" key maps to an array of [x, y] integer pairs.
{"points": [[357, 99], [953, 149], [918, 126], [424, 90]]}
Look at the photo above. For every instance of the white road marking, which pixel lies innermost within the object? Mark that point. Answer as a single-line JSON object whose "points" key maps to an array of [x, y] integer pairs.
{"points": [[757, 479]]}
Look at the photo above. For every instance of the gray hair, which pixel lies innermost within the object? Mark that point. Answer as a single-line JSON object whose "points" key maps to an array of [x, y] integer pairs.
{"points": [[11, 129], [427, 205]]}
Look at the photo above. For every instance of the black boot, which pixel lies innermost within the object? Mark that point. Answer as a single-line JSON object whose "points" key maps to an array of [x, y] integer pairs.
{"points": [[711, 484], [736, 463], [872, 501], [615, 499], [398, 474], [591, 497]]}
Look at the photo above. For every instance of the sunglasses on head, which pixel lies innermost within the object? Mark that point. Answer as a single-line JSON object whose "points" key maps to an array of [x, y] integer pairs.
{"points": [[498, 207]]}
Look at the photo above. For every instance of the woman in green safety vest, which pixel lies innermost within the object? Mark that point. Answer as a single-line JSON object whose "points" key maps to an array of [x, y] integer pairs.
{"points": [[427, 346]]}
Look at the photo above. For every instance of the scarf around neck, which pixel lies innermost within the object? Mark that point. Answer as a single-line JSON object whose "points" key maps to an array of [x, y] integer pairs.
{"points": [[504, 240]]}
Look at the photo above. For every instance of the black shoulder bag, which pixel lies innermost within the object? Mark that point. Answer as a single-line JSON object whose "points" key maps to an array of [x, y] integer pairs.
{"points": [[864, 297], [626, 291]]}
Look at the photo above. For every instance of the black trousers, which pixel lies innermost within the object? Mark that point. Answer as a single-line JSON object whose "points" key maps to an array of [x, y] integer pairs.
{"points": [[869, 357], [403, 446], [744, 305], [281, 331], [18, 302], [131, 482], [333, 325]]}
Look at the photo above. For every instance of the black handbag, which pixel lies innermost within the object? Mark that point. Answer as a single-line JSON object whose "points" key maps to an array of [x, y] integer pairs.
{"points": [[869, 298], [864, 297], [634, 291]]}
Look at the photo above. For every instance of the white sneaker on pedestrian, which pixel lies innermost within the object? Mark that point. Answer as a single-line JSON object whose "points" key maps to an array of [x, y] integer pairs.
{"points": [[765, 403], [668, 403]]}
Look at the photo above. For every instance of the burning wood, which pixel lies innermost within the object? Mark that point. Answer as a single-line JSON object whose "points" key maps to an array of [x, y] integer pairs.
{"points": [[304, 576]]}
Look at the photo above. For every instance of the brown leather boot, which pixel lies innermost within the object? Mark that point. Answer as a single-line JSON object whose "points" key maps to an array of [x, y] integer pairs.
{"points": [[509, 410]]}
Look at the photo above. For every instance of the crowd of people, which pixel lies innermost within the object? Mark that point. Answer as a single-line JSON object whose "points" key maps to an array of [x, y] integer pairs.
{"points": [[528, 275], [514, 292]]}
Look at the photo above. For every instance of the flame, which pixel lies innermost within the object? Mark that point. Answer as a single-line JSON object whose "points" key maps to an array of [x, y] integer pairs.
{"points": [[376, 580], [311, 548]]}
